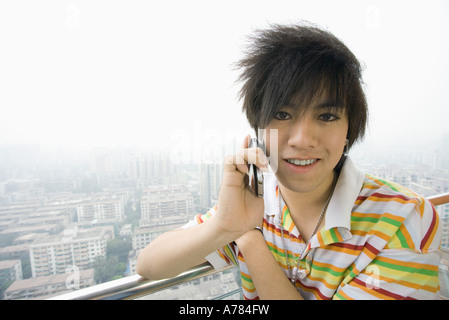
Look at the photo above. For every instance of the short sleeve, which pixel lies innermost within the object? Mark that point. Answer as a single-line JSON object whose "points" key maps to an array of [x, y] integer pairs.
{"points": [[407, 267], [395, 275]]}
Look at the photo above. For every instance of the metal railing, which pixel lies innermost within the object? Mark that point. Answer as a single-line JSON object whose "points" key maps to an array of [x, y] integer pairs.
{"points": [[439, 199], [133, 287]]}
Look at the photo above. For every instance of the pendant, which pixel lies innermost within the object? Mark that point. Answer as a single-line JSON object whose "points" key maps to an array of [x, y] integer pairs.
{"points": [[299, 273], [294, 275], [294, 272]]}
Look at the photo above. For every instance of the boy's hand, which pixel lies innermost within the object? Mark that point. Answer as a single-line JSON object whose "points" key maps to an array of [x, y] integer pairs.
{"points": [[239, 209]]}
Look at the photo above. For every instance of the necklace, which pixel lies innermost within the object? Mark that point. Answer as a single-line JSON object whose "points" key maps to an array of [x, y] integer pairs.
{"points": [[294, 271]]}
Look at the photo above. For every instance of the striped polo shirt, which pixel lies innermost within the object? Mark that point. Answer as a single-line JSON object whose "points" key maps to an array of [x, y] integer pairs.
{"points": [[380, 241]]}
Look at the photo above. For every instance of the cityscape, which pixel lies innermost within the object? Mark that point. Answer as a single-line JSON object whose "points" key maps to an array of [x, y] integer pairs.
{"points": [[69, 220]]}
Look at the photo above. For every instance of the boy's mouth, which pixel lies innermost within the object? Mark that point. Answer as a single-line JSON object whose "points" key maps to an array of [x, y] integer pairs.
{"points": [[301, 163]]}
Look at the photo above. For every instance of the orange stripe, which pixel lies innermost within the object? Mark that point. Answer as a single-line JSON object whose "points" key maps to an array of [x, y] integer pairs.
{"points": [[409, 264], [320, 239], [370, 291], [403, 282], [360, 233], [371, 186], [421, 208], [366, 215], [434, 225], [394, 217], [292, 226], [344, 295], [245, 287], [343, 249], [379, 234], [329, 266], [366, 250], [271, 228], [390, 199], [324, 281], [339, 236], [407, 236]]}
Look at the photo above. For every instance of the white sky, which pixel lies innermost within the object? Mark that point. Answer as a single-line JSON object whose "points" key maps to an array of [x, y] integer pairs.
{"points": [[158, 73]]}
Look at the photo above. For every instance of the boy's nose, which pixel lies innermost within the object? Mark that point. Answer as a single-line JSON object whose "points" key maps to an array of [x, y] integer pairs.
{"points": [[303, 134]]}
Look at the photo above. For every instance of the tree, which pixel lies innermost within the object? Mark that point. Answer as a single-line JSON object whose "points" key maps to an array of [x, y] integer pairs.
{"points": [[120, 248], [114, 266]]}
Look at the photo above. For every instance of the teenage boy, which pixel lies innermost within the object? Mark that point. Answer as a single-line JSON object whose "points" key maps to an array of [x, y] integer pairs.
{"points": [[323, 229]]}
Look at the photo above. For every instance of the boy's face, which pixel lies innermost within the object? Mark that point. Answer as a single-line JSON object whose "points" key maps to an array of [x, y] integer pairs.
{"points": [[310, 144]]}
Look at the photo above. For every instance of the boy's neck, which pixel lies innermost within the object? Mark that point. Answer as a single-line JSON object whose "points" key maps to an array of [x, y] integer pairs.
{"points": [[308, 205]]}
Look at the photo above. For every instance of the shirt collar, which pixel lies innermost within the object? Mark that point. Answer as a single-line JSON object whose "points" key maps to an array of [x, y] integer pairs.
{"points": [[348, 187], [338, 213]]}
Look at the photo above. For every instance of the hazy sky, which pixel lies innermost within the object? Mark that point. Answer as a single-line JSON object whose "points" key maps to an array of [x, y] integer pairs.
{"points": [[157, 73]]}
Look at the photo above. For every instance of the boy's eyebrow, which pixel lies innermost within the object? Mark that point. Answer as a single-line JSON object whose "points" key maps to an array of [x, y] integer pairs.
{"points": [[321, 105], [337, 107], [329, 104]]}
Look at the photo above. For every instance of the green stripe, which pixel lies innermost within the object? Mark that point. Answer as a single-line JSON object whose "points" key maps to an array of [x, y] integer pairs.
{"points": [[286, 211], [334, 236], [406, 269], [396, 223], [393, 187], [231, 255], [351, 272], [328, 270], [280, 253], [402, 239], [246, 278], [339, 296], [365, 219]]}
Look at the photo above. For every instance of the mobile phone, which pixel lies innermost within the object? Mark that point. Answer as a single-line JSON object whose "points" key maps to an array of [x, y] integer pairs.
{"points": [[255, 175]]}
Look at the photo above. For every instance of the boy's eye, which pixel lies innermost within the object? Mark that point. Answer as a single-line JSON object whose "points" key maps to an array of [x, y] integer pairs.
{"points": [[282, 115], [328, 117]]}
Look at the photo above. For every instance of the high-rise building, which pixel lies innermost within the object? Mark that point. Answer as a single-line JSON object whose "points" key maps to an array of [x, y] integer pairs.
{"points": [[138, 166], [166, 206], [210, 181], [443, 211], [109, 160], [150, 165], [445, 152]]}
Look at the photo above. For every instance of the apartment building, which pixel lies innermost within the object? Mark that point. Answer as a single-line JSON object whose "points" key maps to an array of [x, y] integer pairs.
{"points": [[73, 247], [142, 236], [10, 270], [51, 285], [166, 206], [101, 208], [162, 209]]}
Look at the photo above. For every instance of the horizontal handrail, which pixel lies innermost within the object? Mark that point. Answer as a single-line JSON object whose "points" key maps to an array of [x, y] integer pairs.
{"points": [[135, 286], [439, 199]]}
